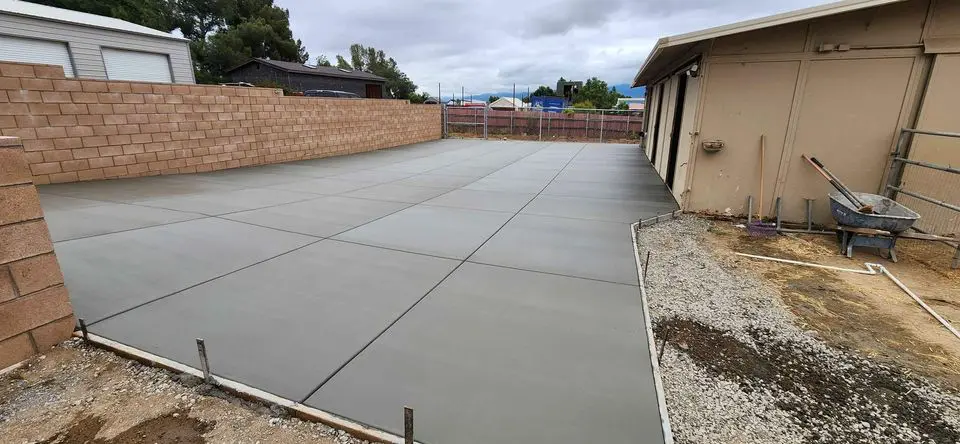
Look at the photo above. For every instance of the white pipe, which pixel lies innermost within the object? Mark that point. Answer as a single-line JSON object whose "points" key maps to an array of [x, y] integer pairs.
{"points": [[922, 304], [872, 269], [868, 271], [651, 343]]}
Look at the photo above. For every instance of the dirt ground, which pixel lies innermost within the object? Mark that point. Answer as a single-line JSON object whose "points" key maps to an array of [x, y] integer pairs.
{"points": [[869, 314], [77, 394]]}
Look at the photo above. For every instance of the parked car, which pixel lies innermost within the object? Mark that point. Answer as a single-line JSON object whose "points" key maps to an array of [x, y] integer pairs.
{"points": [[329, 93]]}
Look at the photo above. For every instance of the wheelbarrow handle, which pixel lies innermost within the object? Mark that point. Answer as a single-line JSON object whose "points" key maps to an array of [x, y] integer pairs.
{"points": [[817, 165]]}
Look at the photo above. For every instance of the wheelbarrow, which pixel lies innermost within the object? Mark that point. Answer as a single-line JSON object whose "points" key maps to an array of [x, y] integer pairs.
{"points": [[879, 229]]}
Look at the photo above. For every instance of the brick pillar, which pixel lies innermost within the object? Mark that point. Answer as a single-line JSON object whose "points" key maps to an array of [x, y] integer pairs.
{"points": [[35, 311]]}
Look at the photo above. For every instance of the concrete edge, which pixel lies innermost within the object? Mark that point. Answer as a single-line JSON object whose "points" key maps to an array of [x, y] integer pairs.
{"points": [[246, 392], [651, 342]]}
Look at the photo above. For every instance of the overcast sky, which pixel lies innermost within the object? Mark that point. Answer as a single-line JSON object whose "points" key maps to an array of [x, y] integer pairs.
{"points": [[487, 45]]}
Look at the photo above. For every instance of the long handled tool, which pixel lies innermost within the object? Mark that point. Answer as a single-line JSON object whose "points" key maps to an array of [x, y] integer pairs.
{"points": [[817, 165], [759, 228]]}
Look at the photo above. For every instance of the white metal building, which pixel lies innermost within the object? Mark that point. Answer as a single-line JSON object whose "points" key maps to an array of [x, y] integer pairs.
{"points": [[91, 46]]}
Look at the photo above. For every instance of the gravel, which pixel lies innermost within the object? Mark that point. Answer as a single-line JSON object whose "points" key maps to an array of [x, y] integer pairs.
{"points": [[736, 368]]}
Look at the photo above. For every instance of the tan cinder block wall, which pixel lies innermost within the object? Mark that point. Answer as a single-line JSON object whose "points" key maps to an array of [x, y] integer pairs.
{"points": [[74, 130], [35, 311]]}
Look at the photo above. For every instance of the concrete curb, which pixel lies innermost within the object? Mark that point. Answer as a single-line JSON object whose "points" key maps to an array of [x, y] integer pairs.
{"points": [[651, 342], [246, 392]]}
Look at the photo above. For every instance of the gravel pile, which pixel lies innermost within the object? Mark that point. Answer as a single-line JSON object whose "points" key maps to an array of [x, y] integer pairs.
{"points": [[736, 368]]}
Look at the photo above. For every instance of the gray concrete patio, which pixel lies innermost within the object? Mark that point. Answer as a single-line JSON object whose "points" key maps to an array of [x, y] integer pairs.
{"points": [[490, 285]]}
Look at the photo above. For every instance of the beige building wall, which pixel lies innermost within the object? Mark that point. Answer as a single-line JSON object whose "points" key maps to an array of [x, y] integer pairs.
{"points": [[844, 107]]}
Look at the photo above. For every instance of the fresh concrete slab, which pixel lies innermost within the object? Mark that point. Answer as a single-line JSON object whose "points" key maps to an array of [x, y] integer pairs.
{"points": [[285, 325], [508, 185], [213, 204], [497, 355], [571, 247], [610, 210], [545, 346], [376, 177], [446, 232], [94, 220], [654, 192], [465, 170], [436, 181], [245, 177], [114, 272], [53, 202], [321, 217], [141, 188], [482, 200], [323, 186], [398, 193]]}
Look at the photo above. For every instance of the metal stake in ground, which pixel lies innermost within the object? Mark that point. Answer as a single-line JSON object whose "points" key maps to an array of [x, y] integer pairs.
{"points": [[407, 425], [83, 329], [204, 363], [646, 266]]}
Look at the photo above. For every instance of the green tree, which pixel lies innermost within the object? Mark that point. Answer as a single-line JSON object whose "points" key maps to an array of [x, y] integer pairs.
{"points": [[342, 63], [156, 14], [222, 33], [419, 97], [492, 99], [543, 91], [595, 91], [370, 59], [323, 61]]}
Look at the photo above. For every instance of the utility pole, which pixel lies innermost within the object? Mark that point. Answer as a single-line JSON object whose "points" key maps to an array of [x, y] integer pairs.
{"points": [[461, 94]]}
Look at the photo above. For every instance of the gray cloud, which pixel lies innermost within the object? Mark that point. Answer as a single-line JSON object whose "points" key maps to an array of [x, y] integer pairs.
{"points": [[488, 45]]}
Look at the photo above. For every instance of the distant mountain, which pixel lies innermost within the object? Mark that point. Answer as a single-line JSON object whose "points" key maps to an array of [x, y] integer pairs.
{"points": [[625, 89]]}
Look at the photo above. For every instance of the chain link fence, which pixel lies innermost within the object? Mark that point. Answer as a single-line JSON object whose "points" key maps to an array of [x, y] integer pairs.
{"points": [[557, 124]]}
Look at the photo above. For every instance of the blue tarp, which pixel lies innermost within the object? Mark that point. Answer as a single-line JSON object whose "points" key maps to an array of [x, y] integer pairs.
{"points": [[548, 104]]}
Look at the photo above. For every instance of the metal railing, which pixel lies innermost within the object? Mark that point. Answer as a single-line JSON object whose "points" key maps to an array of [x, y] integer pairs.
{"points": [[900, 159], [544, 123], [894, 185]]}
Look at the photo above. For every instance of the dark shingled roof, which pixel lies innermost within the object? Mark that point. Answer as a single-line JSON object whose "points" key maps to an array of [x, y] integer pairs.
{"points": [[327, 71]]}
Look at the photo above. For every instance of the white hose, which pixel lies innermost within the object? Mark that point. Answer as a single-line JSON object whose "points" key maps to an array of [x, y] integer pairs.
{"points": [[872, 269]]}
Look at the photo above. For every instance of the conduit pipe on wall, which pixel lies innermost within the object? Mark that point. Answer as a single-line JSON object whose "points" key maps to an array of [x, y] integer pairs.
{"points": [[872, 269]]}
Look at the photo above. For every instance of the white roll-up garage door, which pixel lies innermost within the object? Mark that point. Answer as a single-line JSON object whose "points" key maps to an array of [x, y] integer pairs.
{"points": [[136, 65], [16, 49]]}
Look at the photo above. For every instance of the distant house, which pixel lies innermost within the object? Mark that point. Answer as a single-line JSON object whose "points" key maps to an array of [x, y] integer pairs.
{"points": [[91, 46], [633, 103], [507, 104], [568, 88], [300, 77]]}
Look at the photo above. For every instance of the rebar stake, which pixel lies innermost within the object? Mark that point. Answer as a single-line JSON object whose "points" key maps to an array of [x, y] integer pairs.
{"points": [[407, 425], [809, 213], [83, 329], [204, 363], [646, 266]]}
